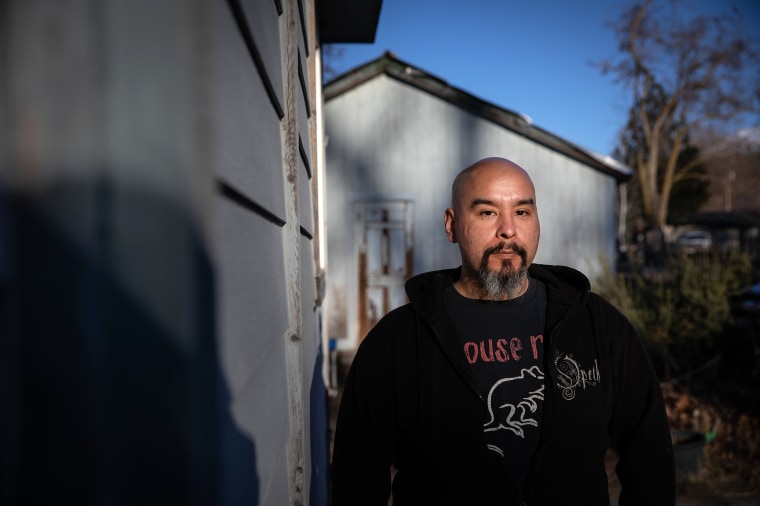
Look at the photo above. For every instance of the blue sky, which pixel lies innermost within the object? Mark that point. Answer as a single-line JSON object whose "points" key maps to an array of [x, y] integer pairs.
{"points": [[532, 57]]}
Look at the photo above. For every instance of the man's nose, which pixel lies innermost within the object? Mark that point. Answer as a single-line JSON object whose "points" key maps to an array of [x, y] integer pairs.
{"points": [[506, 228]]}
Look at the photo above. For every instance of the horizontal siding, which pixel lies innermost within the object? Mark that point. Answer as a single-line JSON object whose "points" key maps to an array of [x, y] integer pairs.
{"points": [[259, 211], [303, 119], [246, 129], [262, 22], [149, 221], [305, 205], [302, 29], [253, 320], [253, 313]]}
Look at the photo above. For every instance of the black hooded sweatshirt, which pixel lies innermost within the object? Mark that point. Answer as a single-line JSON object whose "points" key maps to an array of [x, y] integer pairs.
{"points": [[410, 401]]}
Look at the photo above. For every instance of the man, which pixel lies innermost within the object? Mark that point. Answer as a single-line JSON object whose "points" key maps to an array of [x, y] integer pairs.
{"points": [[501, 382]]}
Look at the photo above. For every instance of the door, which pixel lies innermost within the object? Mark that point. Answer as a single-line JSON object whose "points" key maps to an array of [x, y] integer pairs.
{"points": [[384, 255]]}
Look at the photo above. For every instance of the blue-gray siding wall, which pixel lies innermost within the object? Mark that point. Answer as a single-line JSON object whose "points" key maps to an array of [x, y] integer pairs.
{"points": [[159, 316]]}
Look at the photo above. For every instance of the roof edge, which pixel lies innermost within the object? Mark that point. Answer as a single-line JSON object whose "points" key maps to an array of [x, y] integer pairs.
{"points": [[521, 124]]}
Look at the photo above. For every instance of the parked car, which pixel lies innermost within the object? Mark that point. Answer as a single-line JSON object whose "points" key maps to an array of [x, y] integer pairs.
{"points": [[747, 302], [695, 241]]}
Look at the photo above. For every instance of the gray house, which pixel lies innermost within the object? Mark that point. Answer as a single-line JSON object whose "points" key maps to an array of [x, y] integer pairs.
{"points": [[160, 268], [396, 137]]}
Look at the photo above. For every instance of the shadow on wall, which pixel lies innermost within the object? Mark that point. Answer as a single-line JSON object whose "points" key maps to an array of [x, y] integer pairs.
{"points": [[240, 483], [319, 432], [101, 402]]}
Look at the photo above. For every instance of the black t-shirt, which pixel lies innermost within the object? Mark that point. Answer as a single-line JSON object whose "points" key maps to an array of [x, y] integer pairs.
{"points": [[503, 342]]}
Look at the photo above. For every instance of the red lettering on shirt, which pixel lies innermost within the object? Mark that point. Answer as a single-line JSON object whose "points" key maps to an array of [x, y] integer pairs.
{"points": [[501, 350], [515, 346], [471, 352], [533, 341], [487, 357]]}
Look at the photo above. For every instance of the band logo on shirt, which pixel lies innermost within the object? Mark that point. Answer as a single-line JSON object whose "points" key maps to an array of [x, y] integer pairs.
{"points": [[571, 375], [501, 350]]}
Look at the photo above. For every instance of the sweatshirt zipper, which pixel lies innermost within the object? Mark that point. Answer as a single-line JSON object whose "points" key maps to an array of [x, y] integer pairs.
{"points": [[544, 438]]}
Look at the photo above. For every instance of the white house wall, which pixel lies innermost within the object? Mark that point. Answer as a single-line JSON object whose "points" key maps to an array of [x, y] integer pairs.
{"points": [[161, 338], [268, 311], [387, 139]]}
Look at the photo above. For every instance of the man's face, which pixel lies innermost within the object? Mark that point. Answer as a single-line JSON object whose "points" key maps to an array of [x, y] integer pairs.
{"points": [[495, 221]]}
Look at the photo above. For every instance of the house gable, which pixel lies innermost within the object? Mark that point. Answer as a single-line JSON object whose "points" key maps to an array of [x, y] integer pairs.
{"points": [[518, 123]]}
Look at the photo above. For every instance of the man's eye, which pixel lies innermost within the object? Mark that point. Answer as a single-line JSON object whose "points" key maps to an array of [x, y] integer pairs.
{"points": [[522, 212], [487, 212]]}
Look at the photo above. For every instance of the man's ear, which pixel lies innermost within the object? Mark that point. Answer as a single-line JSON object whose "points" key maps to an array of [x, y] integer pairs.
{"points": [[448, 223]]}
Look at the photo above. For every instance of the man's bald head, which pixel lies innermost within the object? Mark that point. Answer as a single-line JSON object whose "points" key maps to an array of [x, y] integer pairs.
{"points": [[493, 163]]}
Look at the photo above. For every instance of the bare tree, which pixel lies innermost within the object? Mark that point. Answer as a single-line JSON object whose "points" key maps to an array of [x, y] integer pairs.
{"points": [[684, 75], [688, 193]]}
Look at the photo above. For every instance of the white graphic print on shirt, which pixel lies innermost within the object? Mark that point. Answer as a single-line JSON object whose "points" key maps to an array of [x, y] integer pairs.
{"points": [[503, 343], [508, 416], [571, 375], [509, 373]]}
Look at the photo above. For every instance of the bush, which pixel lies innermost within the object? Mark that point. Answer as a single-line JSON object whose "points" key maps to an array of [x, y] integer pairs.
{"points": [[679, 310]]}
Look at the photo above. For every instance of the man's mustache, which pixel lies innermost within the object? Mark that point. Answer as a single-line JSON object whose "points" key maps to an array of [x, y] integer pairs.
{"points": [[503, 246]]}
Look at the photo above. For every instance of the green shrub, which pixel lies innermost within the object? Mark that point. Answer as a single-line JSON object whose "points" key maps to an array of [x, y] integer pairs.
{"points": [[679, 310]]}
